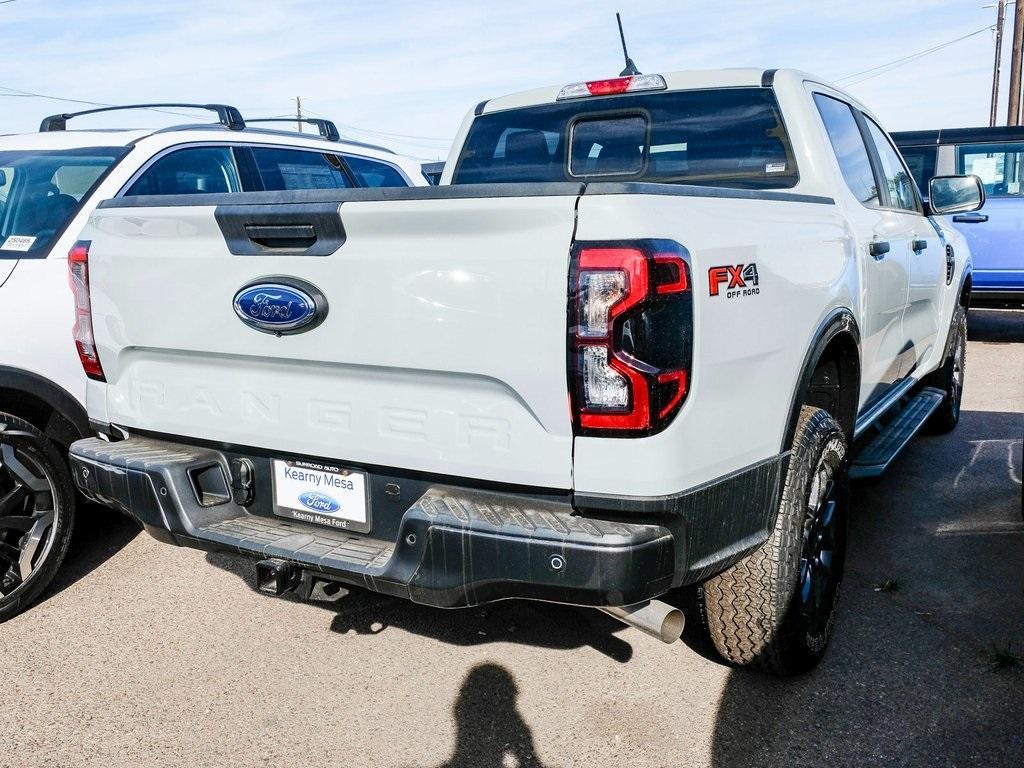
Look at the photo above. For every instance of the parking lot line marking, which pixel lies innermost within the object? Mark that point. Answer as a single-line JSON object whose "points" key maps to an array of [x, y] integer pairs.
{"points": [[980, 528]]}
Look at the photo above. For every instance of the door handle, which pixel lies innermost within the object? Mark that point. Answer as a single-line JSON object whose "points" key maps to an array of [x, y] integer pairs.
{"points": [[919, 245], [282, 235], [878, 249], [970, 218]]}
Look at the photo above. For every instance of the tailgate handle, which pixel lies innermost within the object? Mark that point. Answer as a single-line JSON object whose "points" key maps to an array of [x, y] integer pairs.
{"points": [[282, 229], [300, 236]]}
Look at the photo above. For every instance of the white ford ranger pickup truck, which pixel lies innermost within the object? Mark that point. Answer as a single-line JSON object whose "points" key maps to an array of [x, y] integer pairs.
{"points": [[637, 340]]}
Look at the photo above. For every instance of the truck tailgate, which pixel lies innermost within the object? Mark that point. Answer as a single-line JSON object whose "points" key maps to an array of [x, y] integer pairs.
{"points": [[443, 350]]}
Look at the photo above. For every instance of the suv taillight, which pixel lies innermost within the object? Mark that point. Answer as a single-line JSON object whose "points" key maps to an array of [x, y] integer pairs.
{"points": [[78, 279], [630, 335]]}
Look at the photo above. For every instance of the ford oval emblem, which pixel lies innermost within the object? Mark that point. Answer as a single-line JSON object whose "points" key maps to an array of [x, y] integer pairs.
{"points": [[280, 305], [318, 502]]}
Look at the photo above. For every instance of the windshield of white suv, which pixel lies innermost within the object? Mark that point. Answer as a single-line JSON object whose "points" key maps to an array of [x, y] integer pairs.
{"points": [[724, 137], [41, 191]]}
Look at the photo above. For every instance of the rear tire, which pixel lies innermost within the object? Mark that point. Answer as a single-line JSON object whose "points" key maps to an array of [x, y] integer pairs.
{"points": [[37, 509], [775, 610], [950, 377]]}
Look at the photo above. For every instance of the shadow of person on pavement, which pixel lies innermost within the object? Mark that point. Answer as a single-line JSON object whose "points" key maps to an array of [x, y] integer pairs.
{"points": [[489, 731]]}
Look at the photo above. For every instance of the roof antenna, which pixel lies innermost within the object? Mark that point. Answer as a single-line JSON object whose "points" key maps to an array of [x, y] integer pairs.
{"points": [[630, 66]]}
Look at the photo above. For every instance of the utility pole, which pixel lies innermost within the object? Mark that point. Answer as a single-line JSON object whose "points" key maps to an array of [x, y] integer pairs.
{"points": [[1013, 113], [298, 107], [1000, 16]]}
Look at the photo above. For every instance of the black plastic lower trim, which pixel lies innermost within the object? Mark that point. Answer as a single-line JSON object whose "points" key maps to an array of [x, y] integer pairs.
{"points": [[717, 523], [980, 298], [444, 546]]}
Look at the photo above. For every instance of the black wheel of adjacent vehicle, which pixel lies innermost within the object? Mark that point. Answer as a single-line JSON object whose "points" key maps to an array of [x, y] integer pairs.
{"points": [[36, 514], [950, 377], [775, 610]]}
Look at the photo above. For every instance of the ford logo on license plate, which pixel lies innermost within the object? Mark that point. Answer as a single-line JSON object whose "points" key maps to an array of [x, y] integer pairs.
{"points": [[318, 502], [280, 305]]}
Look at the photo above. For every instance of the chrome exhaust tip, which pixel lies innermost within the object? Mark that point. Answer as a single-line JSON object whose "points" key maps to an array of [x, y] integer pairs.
{"points": [[655, 618]]}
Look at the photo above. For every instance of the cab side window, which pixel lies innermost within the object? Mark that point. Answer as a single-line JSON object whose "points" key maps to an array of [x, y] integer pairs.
{"points": [[898, 181], [373, 174], [282, 169], [848, 144], [190, 171]]}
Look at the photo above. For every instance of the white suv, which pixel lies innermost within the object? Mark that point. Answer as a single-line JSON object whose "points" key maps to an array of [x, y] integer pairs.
{"points": [[50, 183]]}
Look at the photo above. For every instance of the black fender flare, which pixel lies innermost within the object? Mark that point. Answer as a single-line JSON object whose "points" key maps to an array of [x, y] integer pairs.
{"points": [[837, 323], [53, 395], [966, 279], [948, 348]]}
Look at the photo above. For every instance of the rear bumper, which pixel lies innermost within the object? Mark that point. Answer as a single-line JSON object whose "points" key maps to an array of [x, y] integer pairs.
{"points": [[435, 544]]}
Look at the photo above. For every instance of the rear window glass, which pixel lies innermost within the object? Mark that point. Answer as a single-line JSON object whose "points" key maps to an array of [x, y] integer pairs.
{"points": [[608, 146], [999, 166], [374, 174], [41, 191], [728, 137]]}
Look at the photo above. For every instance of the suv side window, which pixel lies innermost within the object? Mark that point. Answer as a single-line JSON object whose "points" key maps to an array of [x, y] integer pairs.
{"points": [[897, 178], [373, 173], [298, 169], [848, 144], [999, 166], [190, 171]]}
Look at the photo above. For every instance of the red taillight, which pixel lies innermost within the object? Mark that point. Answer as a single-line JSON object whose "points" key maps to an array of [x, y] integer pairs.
{"points": [[78, 279], [630, 336]]}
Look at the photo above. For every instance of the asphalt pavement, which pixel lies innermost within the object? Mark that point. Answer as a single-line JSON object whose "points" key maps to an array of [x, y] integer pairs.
{"points": [[148, 655]]}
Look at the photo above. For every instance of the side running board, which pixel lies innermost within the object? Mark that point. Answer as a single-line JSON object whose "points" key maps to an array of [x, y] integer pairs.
{"points": [[876, 456]]}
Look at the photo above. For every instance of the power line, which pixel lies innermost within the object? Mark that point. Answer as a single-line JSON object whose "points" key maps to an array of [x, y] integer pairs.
{"points": [[422, 140], [882, 69], [398, 135], [18, 93], [28, 94]]}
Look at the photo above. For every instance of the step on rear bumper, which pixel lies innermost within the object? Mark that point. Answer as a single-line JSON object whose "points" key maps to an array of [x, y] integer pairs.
{"points": [[454, 547]]}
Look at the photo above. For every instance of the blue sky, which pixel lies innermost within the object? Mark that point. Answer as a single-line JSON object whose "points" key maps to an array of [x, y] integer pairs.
{"points": [[404, 73]]}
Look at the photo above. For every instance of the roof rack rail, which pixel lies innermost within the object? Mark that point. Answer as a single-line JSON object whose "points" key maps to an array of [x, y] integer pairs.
{"points": [[327, 128], [228, 116]]}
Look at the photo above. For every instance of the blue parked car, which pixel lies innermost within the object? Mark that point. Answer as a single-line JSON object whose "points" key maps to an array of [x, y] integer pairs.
{"points": [[996, 233]]}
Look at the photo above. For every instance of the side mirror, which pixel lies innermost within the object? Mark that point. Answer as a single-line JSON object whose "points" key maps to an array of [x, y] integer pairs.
{"points": [[955, 194], [3, 178]]}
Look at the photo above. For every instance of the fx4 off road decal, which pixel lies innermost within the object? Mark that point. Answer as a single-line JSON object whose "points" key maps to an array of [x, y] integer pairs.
{"points": [[738, 280]]}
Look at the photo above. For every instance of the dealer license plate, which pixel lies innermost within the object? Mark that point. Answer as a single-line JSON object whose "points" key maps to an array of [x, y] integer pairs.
{"points": [[322, 494]]}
